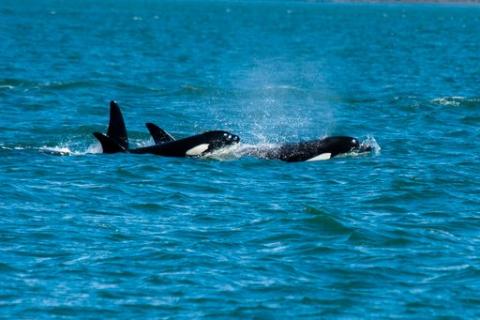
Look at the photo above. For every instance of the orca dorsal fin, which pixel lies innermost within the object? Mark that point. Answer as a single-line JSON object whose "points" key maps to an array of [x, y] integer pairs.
{"points": [[116, 127], [158, 134], [109, 145]]}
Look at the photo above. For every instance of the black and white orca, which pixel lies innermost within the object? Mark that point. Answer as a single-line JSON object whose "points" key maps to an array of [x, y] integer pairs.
{"points": [[314, 150], [116, 139]]}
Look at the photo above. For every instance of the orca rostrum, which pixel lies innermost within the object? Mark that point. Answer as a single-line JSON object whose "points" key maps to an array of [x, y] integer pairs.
{"points": [[116, 139]]}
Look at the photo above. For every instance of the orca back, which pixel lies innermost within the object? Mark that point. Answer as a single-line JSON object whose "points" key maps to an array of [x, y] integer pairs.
{"points": [[315, 149], [191, 146]]}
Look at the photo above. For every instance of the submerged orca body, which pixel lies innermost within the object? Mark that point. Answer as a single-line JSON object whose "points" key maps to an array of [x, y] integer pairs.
{"points": [[116, 139], [314, 150]]}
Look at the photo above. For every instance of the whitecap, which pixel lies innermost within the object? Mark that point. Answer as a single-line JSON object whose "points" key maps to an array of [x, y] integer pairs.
{"points": [[454, 101]]}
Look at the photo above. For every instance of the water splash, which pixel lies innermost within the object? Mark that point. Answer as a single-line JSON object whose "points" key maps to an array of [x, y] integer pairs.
{"points": [[370, 142], [240, 150], [71, 150], [269, 95]]}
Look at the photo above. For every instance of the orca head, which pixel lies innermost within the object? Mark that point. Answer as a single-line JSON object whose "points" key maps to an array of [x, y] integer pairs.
{"points": [[219, 139], [345, 144], [342, 144]]}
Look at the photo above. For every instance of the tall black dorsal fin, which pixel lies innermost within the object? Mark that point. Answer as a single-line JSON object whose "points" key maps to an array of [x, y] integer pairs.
{"points": [[116, 126], [108, 144], [158, 134]]}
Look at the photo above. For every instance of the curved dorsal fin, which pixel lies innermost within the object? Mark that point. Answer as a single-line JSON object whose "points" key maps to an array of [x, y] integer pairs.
{"points": [[158, 134], [116, 127]]}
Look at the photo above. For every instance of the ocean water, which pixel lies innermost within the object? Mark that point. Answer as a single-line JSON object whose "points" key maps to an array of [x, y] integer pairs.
{"points": [[392, 234]]}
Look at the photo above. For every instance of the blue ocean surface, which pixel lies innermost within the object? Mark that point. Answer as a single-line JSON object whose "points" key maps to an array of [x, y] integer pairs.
{"points": [[391, 234]]}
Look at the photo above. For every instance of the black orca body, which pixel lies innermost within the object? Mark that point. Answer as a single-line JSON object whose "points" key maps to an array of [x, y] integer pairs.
{"points": [[116, 139], [314, 150], [191, 146]]}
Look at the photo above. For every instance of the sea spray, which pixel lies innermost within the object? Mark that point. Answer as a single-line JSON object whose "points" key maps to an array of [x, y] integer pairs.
{"points": [[277, 101]]}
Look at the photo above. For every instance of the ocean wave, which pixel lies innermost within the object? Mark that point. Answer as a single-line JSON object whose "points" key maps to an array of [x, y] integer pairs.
{"points": [[457, 101]]}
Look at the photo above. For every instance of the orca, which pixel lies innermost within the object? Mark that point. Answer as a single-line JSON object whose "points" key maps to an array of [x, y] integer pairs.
{"points": [[116, 139], [313, 150]]}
